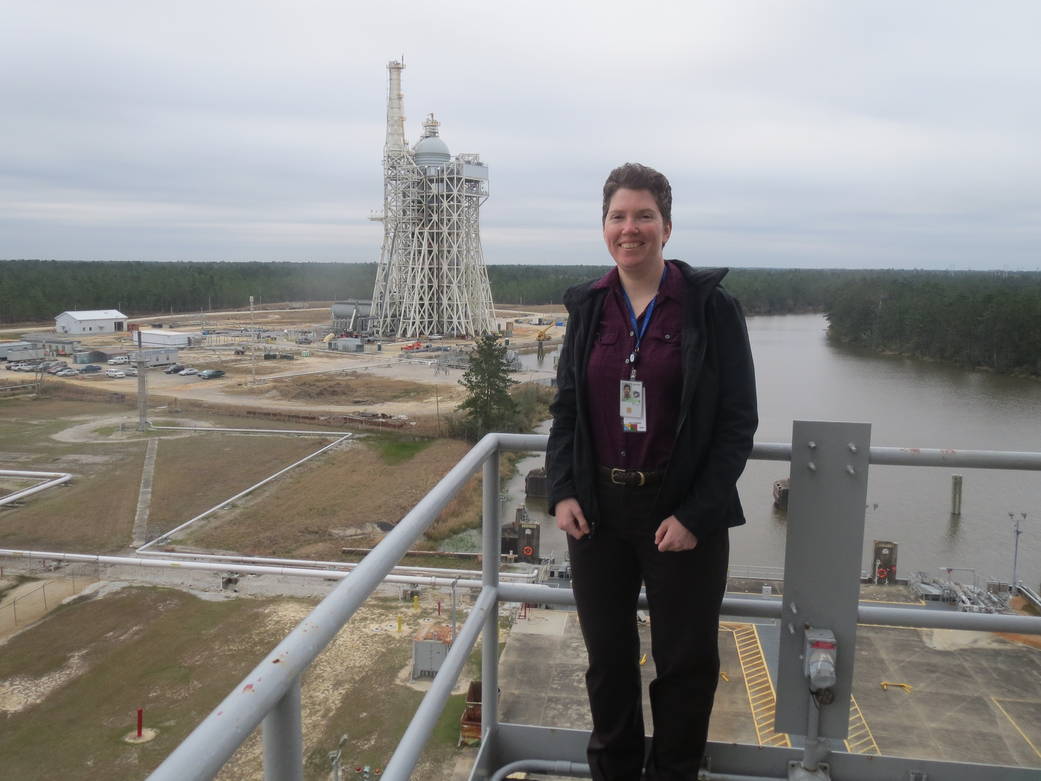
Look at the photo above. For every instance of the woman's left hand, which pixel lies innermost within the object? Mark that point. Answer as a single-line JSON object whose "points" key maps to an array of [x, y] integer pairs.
{"points": [[674, 536]]}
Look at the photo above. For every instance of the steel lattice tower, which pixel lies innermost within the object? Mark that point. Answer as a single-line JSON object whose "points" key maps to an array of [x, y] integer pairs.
{"points": [[431, 277]]}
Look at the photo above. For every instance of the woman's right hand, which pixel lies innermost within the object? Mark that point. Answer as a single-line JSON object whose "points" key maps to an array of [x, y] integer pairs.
{"points": [[570, 518]]}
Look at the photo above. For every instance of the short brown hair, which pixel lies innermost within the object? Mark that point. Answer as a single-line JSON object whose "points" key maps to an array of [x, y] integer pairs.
{"points": [[634, 176]]}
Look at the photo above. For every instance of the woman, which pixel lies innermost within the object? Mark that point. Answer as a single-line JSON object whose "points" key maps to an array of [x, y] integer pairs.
{"points": [[644, 483]]}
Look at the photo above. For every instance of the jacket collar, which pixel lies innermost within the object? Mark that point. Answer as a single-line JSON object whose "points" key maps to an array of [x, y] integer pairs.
{"points": [[701, 280]]}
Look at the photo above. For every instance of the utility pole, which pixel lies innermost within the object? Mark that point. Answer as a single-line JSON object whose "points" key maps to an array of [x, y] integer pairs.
{"points": [[1016, 531], [142, 390], [252, 345], [437, 409]]}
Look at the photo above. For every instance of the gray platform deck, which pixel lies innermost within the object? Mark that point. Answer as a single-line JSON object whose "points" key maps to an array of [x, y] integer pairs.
{"points": [[974, 697]]}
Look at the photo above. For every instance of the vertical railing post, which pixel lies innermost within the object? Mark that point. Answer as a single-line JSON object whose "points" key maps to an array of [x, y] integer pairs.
{"points": [[490, 577], [283, 738], [823, 551]]}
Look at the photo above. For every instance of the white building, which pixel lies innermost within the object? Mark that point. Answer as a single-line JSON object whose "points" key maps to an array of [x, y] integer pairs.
{"points": [[95, 321]]}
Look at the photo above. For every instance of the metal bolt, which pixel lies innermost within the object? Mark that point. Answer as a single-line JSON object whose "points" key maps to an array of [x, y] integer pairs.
{"points": [[852, 448], [850, 469], [794, 609], [811, 445], [811, 466]]}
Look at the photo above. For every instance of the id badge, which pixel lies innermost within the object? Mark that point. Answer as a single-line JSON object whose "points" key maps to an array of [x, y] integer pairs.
{"points": [[632, 406]]}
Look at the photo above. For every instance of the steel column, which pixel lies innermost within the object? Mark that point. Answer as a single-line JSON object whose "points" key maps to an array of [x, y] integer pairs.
{"points": [[284, 738], [829, 477], [490, 579]]}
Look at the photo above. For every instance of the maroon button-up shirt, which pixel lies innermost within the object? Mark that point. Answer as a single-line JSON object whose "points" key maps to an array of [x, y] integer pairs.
{"points": [[659, 368]]}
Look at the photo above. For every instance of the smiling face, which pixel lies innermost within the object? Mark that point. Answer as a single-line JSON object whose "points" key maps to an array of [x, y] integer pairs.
{"points": [[635, 232]]}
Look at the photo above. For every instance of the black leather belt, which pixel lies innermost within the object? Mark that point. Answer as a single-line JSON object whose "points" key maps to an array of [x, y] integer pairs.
{"points": [[630, 477]]}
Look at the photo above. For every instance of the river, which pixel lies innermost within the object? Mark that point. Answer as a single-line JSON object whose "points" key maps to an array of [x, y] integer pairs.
{"points": [[909, 403]]}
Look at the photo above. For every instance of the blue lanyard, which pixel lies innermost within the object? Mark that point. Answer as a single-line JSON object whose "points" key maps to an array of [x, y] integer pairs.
{"points": [[640, 330]]}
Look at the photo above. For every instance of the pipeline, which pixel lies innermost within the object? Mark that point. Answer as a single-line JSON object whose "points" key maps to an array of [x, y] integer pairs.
{"points": [[57, 478], [219, 567], [554, 767], [330, 565], [254, 430]]}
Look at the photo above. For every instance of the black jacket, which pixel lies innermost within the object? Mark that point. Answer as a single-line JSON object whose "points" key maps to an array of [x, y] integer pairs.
{"points": [[717, 408]]}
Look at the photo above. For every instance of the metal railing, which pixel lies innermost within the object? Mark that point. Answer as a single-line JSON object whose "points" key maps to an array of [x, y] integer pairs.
{"points": [[270, 693]]}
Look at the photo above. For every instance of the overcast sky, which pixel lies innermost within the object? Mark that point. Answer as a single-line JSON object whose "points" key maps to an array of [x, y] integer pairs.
{"points": [[808, 134]]}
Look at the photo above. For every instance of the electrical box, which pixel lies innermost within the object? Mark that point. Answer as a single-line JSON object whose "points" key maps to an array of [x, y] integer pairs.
{"points": [[819, 658]]}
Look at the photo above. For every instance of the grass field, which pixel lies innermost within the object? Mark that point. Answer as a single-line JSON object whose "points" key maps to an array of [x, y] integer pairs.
{"points": [[95, 511], [76, 679], [335, 500], [197, 472]]}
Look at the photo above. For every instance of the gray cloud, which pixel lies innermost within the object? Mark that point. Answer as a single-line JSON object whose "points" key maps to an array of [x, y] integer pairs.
{"points": [[795, 134]]}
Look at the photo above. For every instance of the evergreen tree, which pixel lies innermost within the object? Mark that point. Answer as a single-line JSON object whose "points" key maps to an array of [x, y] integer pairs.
{"points": [[488, 405]]}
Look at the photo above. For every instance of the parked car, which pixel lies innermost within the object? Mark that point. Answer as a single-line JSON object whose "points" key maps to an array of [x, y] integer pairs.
{"points": [[116, 373], [118, 360], [131, 371], [188, 371], [211, 374], [90, 368], [175, 369], [68, 373]]}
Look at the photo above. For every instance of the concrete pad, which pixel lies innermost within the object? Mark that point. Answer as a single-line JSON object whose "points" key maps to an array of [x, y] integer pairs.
{"points": [[972, 699], [542, 622]]}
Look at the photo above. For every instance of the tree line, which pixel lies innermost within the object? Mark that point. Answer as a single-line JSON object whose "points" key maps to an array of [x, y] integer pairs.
{"points": [[980, 319], [35, 290], [989, 320], [38, 290]]}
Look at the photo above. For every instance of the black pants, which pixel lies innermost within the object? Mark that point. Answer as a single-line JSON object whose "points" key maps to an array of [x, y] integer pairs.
{"points": [[684, 592]]}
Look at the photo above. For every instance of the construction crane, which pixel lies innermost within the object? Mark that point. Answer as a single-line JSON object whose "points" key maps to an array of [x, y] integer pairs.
{"points": [[542, 337]]}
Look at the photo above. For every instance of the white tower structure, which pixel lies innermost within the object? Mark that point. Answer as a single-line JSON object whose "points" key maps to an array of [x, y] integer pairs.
{"points": [[431, 277]]}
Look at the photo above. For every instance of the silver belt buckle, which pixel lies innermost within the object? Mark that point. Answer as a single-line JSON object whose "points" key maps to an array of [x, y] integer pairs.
{"points": [[619, 481]]}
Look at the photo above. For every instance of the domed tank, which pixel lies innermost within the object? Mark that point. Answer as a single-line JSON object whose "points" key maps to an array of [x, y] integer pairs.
{"points": [[430, 149]]}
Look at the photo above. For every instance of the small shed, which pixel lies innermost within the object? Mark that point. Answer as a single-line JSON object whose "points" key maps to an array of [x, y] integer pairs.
{"points": [[89, 356], [429, 650], [347, 345], [91, 321]]}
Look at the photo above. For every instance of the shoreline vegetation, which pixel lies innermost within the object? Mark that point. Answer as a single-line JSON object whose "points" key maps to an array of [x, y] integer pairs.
{"points": [[987, 321], [981, 320]]}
